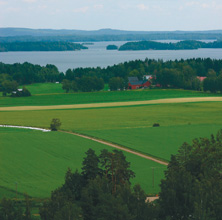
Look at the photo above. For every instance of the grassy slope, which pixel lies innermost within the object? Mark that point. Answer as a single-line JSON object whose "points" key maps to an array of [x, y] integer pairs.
{"points": [[40, 167], [45, 88], [97, 97], [132, 126]]}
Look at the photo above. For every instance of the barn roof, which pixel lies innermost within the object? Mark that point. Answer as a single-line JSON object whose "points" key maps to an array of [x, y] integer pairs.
{"points": [[135, 81]]}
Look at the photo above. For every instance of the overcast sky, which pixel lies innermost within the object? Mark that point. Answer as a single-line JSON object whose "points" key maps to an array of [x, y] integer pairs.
{"points": [[147, 15]]}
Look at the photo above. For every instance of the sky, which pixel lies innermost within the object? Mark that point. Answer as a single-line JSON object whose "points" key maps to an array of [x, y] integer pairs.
{"points": [[137, 15]]}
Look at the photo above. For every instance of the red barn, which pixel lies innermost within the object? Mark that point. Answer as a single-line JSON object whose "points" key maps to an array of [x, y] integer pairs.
{"points": [[135, 83], [201, 78]]}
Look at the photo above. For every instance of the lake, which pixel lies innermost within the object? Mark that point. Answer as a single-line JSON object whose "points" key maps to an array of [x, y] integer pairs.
{"points": [[97, 55]]}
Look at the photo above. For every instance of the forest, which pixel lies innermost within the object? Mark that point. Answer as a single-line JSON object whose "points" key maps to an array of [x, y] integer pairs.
{"points": [[40, 46]]}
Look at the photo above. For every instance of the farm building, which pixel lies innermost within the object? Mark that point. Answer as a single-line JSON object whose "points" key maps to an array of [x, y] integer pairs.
{"points": [[201, 78], [135, 83]]}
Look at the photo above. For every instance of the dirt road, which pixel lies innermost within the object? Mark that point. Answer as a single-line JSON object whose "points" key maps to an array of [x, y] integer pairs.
{"points": [[118, 147]]}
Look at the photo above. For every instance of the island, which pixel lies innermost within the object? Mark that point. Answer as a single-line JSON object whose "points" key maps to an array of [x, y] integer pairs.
{"points": [[40, 46], [112, 47], [181, 45]]}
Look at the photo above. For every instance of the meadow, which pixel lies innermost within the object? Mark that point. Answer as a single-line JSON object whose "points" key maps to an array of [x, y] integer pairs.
{"points": [[132, 126], [37, 161], [41, 96]]}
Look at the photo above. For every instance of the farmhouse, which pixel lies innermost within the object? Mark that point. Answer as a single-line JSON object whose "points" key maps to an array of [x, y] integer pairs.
{"points": [[135, 83]]}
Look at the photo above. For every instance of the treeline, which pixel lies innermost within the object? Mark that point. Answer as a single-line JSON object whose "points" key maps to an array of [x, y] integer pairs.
{"points": [[40, 46], [28, 73], [14, 75], [84, 84], [181, 45], [169, 74]]}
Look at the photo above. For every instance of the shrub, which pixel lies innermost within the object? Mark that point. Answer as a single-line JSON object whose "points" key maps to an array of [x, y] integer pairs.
{"points": [[156, 125]]}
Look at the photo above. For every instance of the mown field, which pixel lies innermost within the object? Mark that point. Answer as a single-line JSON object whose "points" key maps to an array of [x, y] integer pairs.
{"points": [[37, 161], [42, 97]]}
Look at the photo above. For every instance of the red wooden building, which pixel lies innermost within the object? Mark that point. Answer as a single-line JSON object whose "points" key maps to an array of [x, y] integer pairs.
{"points": [[135, 83]]}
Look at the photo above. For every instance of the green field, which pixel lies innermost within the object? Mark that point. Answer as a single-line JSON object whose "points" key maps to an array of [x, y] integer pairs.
{"points": [[45, 88], [96, 97], [132, 126], [37, 162], [42, 158]]}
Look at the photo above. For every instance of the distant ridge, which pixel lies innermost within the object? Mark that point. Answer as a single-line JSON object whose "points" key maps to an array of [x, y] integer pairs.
{"points": [[11, 34]]}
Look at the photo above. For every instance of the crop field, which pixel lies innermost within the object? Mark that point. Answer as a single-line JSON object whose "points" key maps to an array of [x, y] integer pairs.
{"points": [[96, 97], [37, 161], [130, 126]]}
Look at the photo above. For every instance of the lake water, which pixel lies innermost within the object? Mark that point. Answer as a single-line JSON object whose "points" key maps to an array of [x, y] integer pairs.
{"points": [[97, 55]]}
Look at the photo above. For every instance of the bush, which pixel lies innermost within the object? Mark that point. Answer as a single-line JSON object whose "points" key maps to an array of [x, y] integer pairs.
{"points": [[55, 124], [156, 125]]}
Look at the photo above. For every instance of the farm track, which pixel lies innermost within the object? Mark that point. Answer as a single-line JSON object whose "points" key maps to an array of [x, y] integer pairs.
{"points": [[113, 104], [118, 147]]}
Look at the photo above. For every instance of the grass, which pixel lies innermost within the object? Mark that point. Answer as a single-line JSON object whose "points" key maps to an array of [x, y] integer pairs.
{"points": [[37, 162], [132, 126], [128, 126], [45, 88], [98, 97]]}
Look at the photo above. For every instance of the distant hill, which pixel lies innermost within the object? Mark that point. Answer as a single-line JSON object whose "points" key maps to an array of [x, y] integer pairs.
{"points": [[26, 34]]}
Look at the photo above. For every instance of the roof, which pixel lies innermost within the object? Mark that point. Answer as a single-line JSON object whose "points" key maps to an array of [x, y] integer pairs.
{"points": [[201, 78], [135, 81]]}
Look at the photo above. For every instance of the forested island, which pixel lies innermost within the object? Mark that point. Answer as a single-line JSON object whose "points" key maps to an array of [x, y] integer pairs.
{"points": [[112, 47], [181, 45], [40, 46]]}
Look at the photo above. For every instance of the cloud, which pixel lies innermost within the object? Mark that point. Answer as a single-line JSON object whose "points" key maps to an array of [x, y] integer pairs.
{"points": [[81, 10], [30, 1], [3, 3], [142, 7], [204, 5], [13, 9], [98, 7]]}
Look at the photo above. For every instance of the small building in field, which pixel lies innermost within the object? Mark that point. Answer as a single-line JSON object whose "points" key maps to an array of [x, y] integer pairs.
{"points": [[135, 83]]}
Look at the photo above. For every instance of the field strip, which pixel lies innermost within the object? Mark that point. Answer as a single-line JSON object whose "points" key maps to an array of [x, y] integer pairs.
{"points": [[113, 104], [24, 127], [118, 147]]}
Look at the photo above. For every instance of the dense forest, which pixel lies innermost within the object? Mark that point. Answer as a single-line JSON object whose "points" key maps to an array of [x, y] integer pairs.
{"points": [[40, 46], [168, 74], [181, 45], [102, 190]]}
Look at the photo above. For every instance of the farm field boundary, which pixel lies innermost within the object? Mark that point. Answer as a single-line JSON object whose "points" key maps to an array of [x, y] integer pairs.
{"points": [[118, 147], [114, 104]]}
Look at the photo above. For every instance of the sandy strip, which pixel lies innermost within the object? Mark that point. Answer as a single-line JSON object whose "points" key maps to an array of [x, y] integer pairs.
{"points": [[113, 104], [118, 147]]}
